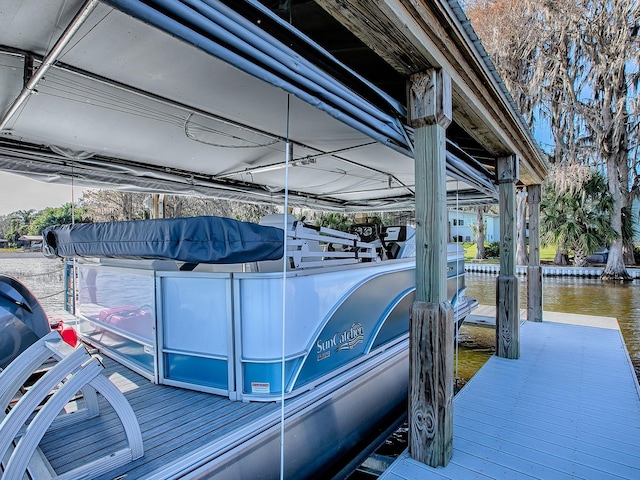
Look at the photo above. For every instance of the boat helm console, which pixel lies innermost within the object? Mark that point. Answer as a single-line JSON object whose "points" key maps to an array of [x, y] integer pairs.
{"points": [[397, 241]]}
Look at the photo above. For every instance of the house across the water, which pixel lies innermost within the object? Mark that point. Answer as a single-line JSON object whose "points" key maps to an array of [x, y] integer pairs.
{"points": [[29, 241], [463, 226]]}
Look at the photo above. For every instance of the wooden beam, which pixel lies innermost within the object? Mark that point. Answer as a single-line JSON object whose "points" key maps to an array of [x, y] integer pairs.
{"points": [[430, 114], [507, 311], [431, 328], [534, 271], [414, 36]]}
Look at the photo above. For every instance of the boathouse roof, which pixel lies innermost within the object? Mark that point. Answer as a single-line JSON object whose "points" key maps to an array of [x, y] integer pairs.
{"points": [[203, 99]]}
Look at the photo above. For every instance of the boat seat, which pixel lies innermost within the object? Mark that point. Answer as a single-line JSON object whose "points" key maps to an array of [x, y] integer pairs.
{"points": [[393, 249], [401, 241], [38, 410]]}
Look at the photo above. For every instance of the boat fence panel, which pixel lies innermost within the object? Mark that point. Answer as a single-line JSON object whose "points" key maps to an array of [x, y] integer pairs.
{"points": [[116, 310], [74, 371], [200, 304]]}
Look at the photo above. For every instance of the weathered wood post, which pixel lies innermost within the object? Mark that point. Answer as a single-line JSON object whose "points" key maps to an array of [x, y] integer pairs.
{"points": [[534, 270], [508, 310], [431, 328]]}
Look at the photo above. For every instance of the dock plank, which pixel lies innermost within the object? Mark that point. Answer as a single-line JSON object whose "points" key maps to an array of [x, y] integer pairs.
{"points": [[173, 421], [568, 408]]}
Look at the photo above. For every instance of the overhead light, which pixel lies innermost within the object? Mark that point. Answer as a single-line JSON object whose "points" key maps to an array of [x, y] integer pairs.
{"points": [[269, 168]]}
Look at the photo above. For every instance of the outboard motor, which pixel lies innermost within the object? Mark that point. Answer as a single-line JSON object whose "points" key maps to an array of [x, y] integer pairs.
{"points": [[22, 319]]}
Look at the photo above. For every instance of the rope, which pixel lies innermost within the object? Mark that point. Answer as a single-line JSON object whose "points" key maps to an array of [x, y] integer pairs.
{"points": [[41, 297], [456, 311], [287, 159], [41, 274]]}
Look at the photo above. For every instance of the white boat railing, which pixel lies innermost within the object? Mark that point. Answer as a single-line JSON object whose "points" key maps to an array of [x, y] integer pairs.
{"points": [[74, 371], [315, 247]]}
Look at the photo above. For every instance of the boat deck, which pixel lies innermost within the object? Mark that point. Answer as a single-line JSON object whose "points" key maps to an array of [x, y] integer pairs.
{"points": [[174, 422], [568, 408]]}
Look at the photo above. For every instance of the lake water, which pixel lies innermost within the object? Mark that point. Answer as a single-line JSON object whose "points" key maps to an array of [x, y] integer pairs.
{"points": [[43, 276], [587, 296]]}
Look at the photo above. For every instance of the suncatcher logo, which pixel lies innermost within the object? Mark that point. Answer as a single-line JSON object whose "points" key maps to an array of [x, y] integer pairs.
{"points": [[345, 340]]}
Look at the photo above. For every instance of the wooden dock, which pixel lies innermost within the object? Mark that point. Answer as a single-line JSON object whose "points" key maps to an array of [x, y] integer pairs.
{"points": [[485, 316], [568, 408]]}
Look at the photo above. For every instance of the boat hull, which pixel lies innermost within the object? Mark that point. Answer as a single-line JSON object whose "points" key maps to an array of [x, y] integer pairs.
{"points": [[327, 435]]}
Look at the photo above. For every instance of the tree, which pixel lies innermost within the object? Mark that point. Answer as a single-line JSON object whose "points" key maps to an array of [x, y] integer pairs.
{"points": [[51, 216], [505, 28], [590, 50], [183, 206], [628, 234], [336, 221], [5, 223], [582, 75], [578, 220], [19, 223], [480, 233], [113, 205]]}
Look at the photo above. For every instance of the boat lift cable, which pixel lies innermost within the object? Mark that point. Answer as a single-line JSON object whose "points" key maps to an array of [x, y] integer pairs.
{"points": [[285, 227]]}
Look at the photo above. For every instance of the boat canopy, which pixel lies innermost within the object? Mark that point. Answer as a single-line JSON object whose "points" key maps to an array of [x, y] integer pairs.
{"points": [[190, 240], [209, 98]]}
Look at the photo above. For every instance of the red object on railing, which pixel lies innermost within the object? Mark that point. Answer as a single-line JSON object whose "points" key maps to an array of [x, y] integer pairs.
{"points": [[67, 333]]}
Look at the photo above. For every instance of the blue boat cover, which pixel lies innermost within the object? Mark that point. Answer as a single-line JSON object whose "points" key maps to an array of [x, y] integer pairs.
{"points": [[191, 240]]}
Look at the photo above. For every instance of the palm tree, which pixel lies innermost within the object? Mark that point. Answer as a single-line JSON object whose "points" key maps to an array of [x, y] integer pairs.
{"points": [[578, 220]]}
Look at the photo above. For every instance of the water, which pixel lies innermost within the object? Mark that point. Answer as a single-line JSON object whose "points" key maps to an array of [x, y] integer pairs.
{"points": [[586, 296], [43, 276]]}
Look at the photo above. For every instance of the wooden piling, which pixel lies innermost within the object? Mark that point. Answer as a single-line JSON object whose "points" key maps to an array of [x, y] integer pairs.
{"points": [[534, 271], [431, 380], [431, 327], [507, 311]]}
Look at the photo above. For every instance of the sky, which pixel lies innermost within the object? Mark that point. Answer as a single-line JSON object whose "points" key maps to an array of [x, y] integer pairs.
{"points": [[22, 193]]}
